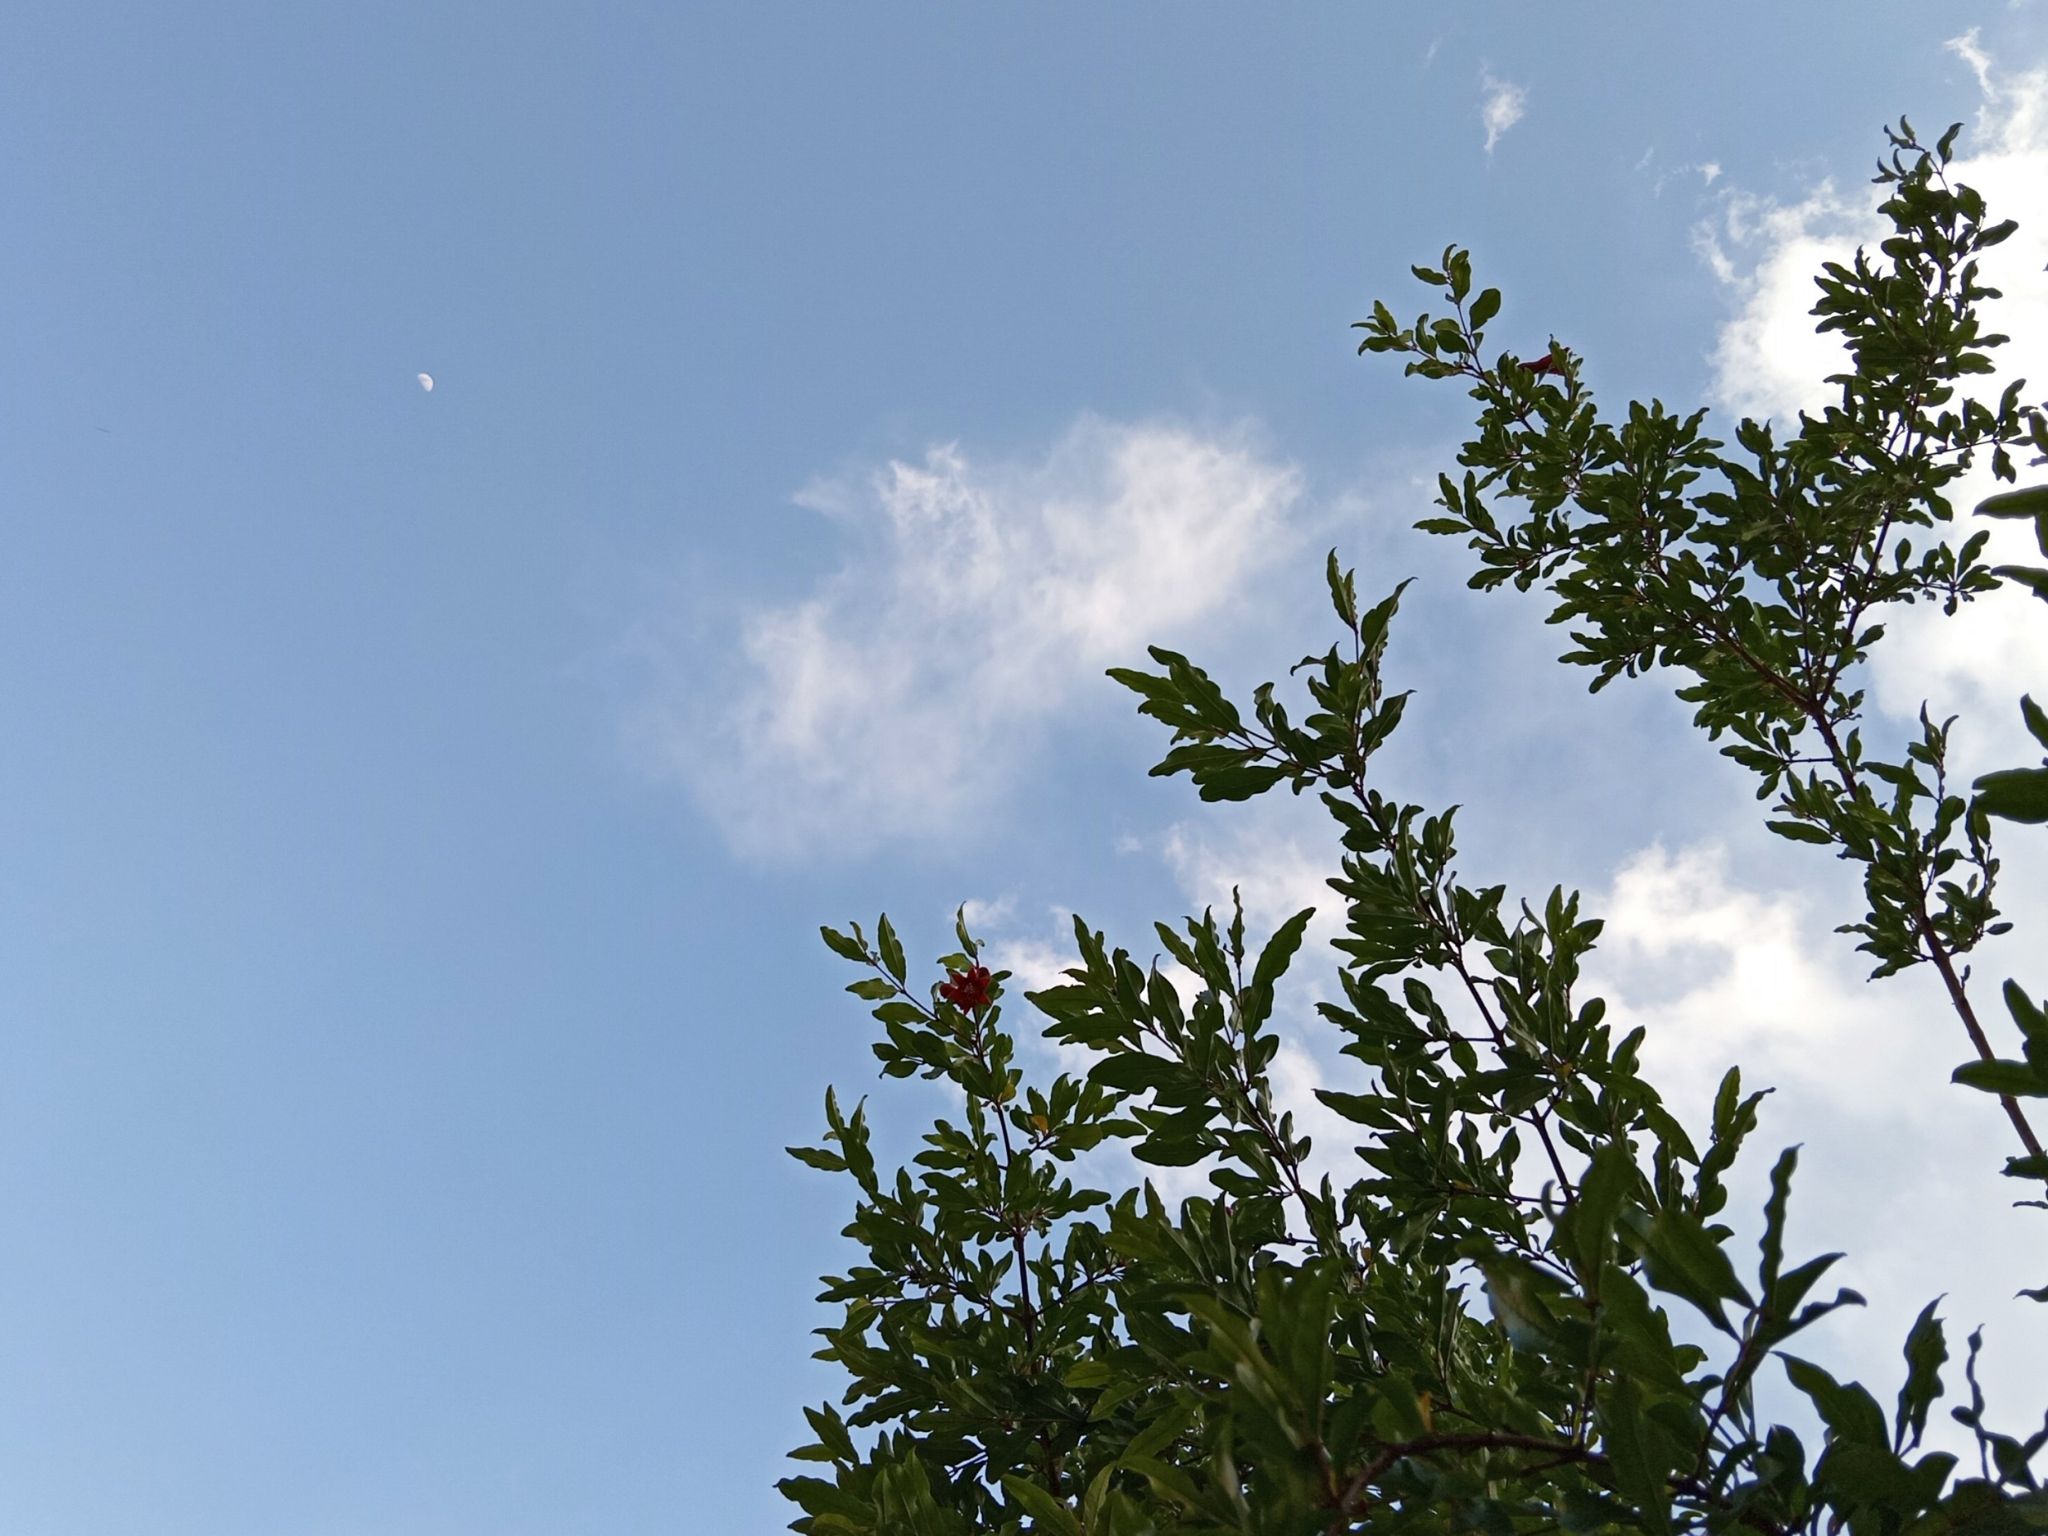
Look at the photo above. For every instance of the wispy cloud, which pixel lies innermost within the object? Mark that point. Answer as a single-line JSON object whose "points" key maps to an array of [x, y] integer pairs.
{"points": [[897, 697], [1708, 171], [1501, 106], [1767, 358]]}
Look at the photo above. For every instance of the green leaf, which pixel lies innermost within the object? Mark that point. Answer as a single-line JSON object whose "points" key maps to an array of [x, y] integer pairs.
{"points": [[1343, 591], [1083, 1374], [2016, 794], [2036, 718], [1801, 832], [1682, 1259], [1160, 1433], [1280, 948], [830, 1429], [1231, 784], [843, 946], [1047, 1513], [1979, 1509], [1626, 1436], [2029, 501], [1926, 1351], [891, 947], [2016, 1078], [1133, 1070], [2025, 1012], [818, 1157], [2032, 577], [1587, 1226], [1849, 1411], [1773, 1243], [1168, 1150]]}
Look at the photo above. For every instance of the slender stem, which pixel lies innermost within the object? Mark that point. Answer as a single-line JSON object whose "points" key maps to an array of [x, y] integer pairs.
{"points": [[1014, 1221], [1027, 1312], [1938, 953], [1538, 1116]]}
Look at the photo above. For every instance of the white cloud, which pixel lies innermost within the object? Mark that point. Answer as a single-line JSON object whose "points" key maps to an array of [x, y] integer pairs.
{"points": [[2014, 117], [1898, 1167], [1501, 106], [897, 696], [1709, 171], [1977, 663], [1722, 974], [980, 914], [1273, 870], [1768, 361]]}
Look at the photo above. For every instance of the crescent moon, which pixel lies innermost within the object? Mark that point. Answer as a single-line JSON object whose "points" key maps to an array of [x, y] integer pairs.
{"points": [[427, 382]]}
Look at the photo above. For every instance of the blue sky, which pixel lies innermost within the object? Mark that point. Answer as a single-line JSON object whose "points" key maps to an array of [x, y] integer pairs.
{"points": [[417, 808]]}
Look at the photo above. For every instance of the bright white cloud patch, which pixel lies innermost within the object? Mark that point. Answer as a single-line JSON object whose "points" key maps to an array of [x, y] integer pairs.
{"points": [[1720, 973], [897, 697], [1768, 361], [1500, 107], [1899, 1169]]}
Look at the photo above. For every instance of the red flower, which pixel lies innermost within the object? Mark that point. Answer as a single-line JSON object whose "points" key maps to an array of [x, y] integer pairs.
{"points": [[1542, 364], [966, 991]]}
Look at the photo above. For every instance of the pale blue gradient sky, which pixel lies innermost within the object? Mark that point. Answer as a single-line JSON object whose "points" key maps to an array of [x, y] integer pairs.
{"points": [[393, 1068]]}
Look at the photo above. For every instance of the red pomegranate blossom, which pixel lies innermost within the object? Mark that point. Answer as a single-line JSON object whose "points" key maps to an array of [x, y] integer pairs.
{"points": [[966, 990]]}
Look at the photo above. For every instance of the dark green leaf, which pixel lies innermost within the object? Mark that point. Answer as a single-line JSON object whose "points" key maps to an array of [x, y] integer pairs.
{"points": [[1280, 949], [2017, 1078], [2029, 501], [2016, 794], [1801, 831]]}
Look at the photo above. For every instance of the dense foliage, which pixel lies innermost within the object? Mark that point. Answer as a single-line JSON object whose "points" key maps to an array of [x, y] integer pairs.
{"points": [[1524, 1310]]}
